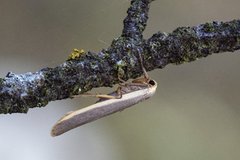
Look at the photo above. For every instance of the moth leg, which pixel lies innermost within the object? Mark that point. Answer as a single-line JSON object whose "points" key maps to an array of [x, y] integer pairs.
{"points": [[121, 79], [118, 91], [111, 97], [137, 82], [101, 95], [84, 95], [119, 94]]}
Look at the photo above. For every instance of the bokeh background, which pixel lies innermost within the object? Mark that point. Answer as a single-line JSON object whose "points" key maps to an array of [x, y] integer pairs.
{"points": [[195, 113]]}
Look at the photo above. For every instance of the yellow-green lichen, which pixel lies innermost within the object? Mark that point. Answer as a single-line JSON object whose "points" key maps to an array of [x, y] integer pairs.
{"points": [[209, 27], [75, 53]]}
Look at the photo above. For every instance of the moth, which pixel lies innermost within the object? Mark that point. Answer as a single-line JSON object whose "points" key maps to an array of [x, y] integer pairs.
{"points": [[127, 95]]}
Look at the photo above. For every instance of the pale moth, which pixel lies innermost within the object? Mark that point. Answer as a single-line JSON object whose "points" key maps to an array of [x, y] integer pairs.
{"points": [[127, 94]]}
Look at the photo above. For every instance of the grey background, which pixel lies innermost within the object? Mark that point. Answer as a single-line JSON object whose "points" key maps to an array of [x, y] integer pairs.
{"points": [[195, 113]]}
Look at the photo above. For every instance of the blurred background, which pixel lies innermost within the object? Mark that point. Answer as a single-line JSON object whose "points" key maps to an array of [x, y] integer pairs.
{"points": [[195, 113]]}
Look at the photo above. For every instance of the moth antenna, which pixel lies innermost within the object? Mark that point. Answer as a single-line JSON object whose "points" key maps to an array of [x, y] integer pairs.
{"points": [[144, 70]]}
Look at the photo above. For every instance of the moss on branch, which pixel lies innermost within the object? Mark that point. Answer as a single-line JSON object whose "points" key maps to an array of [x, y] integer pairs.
{"points": [[89, 70]]}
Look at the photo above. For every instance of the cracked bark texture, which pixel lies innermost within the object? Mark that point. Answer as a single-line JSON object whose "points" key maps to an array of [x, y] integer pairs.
{"points": [[20, 92]]}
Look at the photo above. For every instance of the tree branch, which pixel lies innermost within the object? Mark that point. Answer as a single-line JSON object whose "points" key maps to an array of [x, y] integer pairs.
{"points": [[20, 92]]}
